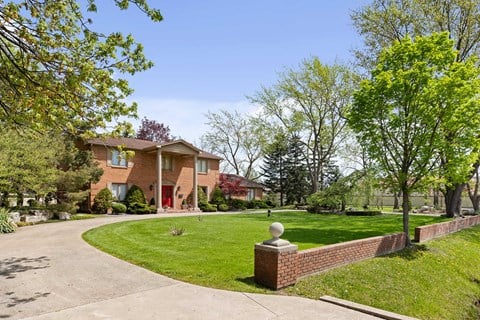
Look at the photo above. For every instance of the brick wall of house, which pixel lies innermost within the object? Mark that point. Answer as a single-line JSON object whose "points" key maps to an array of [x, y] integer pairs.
{"points": [[279, 267], [141, 171], [425, 233]]}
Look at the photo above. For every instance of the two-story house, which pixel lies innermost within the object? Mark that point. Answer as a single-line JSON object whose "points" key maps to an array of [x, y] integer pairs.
{"points": [[167, 172]]}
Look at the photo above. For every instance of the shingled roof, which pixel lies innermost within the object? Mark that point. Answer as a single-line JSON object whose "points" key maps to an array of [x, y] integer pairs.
{"points": [[244, 182], [141, 145]]}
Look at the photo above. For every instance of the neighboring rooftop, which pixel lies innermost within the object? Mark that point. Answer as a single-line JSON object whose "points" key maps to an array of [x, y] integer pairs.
{"points": [[244, 182]]}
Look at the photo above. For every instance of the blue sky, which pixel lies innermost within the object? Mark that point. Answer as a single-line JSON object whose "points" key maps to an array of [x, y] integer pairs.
{"points": [[211, 54]]}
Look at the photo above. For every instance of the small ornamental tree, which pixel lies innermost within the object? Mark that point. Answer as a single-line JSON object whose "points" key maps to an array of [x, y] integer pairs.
{"points": [[154, 131], [231, 187], [103, 201]]}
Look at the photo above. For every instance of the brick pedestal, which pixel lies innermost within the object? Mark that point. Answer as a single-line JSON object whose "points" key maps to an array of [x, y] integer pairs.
{"points": [[276, 267]]}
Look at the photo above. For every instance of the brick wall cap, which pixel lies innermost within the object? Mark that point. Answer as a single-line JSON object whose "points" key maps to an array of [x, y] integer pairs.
{"points": [[287, 248]]}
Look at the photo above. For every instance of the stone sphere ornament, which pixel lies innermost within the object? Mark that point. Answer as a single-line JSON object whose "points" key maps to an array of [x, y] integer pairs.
{"points": [[276, 230]]}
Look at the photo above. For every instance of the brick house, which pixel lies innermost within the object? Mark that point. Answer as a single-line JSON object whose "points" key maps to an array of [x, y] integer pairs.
{"points": [[164, 171], [247, 189]]}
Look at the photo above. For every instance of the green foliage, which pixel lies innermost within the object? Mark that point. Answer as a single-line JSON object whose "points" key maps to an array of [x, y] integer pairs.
{"points": [[237, 204], [223, 207], [76, 83], [28, 162], [217, 197], [6, 223], [138, 208], [303, 103], [382, 22], [118, 208], [419, 105], [257, 204], [103, 201], [322, 201], [135, 195]]}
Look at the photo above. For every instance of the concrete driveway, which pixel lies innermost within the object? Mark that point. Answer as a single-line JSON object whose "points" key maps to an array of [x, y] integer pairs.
{"points": [[48, 272]]}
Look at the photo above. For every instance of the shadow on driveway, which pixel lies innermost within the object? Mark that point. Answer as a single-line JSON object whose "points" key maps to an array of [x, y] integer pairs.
{"points": [[9, 268]]}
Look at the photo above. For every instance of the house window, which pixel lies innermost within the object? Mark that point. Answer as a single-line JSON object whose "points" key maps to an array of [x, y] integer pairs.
{"points": [[202, 165], [251, 194], [167, 163], [119, 191], [118, 159]]}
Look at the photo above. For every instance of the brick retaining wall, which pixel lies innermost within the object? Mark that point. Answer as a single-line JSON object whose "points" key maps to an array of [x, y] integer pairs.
{"points": [[278, 267], [335, 255], [425, 233]]}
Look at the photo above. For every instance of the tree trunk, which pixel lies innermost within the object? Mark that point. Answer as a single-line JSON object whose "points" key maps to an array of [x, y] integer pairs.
{"points": [[436, 200], [473, 194], [405, 210], [453, 199], [396, 204]]}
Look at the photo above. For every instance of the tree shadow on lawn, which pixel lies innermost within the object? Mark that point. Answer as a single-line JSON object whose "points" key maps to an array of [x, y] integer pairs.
{"points": [[326, 237]]}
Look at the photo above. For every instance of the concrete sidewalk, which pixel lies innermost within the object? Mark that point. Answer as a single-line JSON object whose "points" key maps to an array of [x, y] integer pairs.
{"points": [[48, 272]]}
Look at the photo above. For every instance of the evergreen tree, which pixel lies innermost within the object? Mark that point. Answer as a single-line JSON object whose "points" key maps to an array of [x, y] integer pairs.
{"points": [[296, 172], [274, 167]]}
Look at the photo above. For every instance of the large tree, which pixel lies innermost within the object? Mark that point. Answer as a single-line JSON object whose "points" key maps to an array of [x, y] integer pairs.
{"points": [[56, 72], [310, 103], [238, 138], [383, 21], [28, 162], [417, 91]]}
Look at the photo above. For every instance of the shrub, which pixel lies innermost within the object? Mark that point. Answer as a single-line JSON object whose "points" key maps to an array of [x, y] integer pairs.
{"points": [[118, 208], [103, 201], [218, 197], [209, 208], [223, 207], [152, 202], [321, 201], [238, 204], [364, 213], [6, 223], [257, 204], [139, 208], [134, 195]]}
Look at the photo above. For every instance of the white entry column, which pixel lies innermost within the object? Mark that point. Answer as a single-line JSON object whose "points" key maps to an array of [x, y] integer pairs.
{"points": [[195, 184], [158, 193]]}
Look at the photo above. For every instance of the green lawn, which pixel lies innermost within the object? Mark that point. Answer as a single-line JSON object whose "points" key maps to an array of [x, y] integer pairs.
{"points": [[217, 251]]}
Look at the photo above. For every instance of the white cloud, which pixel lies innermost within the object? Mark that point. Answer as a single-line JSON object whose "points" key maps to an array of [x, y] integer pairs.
{"points": [[186, 118]]}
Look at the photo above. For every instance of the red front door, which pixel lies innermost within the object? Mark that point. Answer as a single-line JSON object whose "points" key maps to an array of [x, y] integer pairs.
{"points": [[167, 196]]}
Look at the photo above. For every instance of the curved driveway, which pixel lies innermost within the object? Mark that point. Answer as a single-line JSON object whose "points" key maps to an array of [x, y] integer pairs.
{"points": [[48, 272]]}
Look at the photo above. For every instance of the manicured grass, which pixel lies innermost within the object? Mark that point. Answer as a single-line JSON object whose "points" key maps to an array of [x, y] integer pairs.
{"points": [[217, 251], [437, 280]]}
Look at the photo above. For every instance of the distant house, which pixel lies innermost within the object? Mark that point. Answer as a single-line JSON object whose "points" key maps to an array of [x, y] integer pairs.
{"points": [[241, 188], [167, 172]]}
